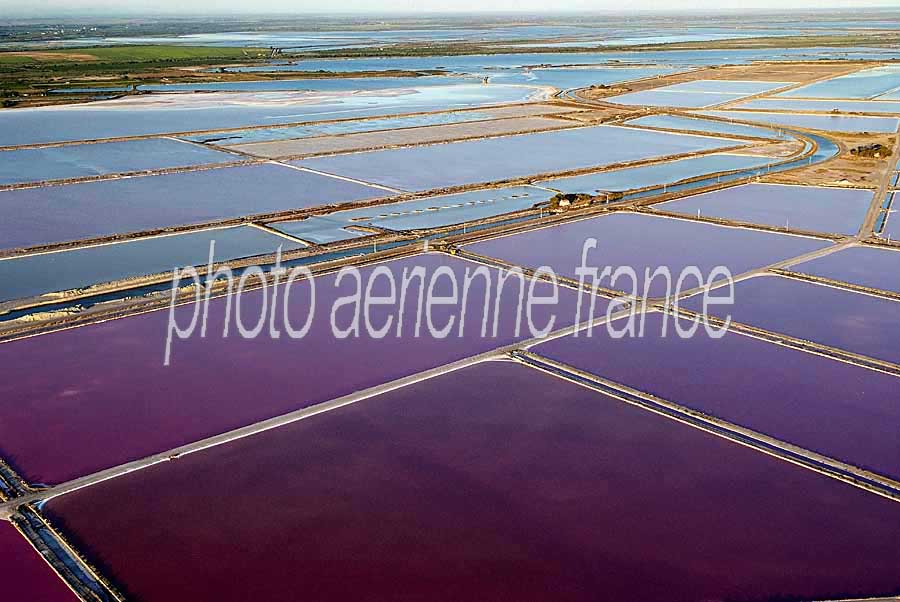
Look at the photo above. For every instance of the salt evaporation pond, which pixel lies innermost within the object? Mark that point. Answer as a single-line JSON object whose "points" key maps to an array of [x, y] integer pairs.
{"points": [[865, 84], [824, 106], [643, 36], [480, 64], [659, 174], [691, 37], [660, 97], [892, 225], [725, 86], [834, 123], [495, 159], [697, 94], [436, 134], [25, 575], [872, 267], [85, 160], [895, 95], [568, 79], [40, 216], [93, 397], [830, 407], [433, 212], [148, 115], [678, 122], [318, 84], [855, 322], [78, 268], [371, 125], [404, 495], [557, 78], [811, 208], [644, 242], [320, 229]]}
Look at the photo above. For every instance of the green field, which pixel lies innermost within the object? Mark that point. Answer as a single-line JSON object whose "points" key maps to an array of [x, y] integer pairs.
{"points": [[26, 75], [130, 54]]}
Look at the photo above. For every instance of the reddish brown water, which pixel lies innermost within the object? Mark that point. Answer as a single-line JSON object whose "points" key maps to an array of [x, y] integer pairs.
{"points": [[24, 575], [821, 404], [851, 321], [645, 243], [868, 266], [496, 482], [97, 396]]}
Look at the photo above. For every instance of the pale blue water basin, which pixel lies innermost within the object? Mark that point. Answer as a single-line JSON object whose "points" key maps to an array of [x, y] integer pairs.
{"points": [[340, 127], [677, 122], [323, 84], [690, 37], [78, 268], [823, 106], [319, 229], [723, 86], [433, 212], [495, 159], [895, 95], [337, 84], [873, 267], [892, 224], [816, 209], [651, 34], [662, 97], [697, 94], [83, 160], [479, 63], [864, 84], [558, 78], [138, 116], [670, 172], [646, 39], [834, 123], [570, 44], [40, 216], [567, 79]]}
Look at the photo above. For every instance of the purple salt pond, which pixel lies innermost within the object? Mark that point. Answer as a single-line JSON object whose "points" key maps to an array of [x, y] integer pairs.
{"points": [[831, 407], [646, 242], [97, 396], [39, 216], [24, 575], [816, 209], [855, 322], [872, 267], [495, 482]]}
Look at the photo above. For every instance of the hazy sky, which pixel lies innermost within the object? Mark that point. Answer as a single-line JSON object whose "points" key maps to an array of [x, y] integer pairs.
{"points": [[18, 8]]}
